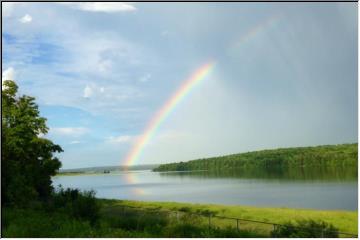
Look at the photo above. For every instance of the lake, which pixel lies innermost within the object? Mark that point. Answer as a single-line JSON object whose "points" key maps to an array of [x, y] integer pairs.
{"points": [[316, 190]]}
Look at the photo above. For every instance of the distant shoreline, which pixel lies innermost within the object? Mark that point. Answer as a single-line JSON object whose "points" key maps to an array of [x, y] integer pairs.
{"points": [[98, 173], [105, 169], [340, 155]]}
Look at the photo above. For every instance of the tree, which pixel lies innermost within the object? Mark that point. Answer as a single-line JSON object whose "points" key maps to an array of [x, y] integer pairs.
{"points": [[27, 159]]}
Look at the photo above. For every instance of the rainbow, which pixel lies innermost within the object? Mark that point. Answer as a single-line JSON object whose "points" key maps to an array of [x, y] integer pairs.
{"points": [[197, 77], [254, 31]]}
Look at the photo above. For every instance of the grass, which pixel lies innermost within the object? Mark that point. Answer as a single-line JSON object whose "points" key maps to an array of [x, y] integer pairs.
{"points": [[345, 221], [162, 221], [39, 223]]}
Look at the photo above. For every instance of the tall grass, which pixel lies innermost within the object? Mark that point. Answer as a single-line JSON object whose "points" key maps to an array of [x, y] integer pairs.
{"points": [[72, 213], [39, 223]]}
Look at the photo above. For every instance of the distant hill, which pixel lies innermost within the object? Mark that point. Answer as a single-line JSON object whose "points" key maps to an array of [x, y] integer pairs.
{"points": [[107, 169], [342, 155]]}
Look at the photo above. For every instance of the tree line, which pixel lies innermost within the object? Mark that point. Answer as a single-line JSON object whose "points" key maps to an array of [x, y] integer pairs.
{"points": [[342, 155]]}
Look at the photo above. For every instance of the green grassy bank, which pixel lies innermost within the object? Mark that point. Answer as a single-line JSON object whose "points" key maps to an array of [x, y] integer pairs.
{"points": [[345, 221], [152, 219]]}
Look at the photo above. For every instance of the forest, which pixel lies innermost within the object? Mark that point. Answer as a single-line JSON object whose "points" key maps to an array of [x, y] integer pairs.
{"points": [[327, 156]]}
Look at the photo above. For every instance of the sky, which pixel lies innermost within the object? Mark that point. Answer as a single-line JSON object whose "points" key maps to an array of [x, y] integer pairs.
{"points": [[284, 75]]}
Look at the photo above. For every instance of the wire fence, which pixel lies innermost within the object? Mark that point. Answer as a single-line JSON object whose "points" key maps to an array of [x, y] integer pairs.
{"points": [[217, 221]]}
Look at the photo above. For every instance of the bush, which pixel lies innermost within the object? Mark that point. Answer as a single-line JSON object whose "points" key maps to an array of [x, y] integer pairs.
{"points": [[183, 230], [230, 232], [187, 229], [79, 204], [306, 229], [135, 220], [206, 212], [185, 209]]}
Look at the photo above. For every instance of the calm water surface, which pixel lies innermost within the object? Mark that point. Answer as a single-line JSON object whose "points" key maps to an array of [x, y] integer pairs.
{"points": [[203, 187]]}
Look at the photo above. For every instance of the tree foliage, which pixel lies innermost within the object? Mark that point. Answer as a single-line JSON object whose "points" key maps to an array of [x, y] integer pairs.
{"points": [[339, 156], [27, 159]]}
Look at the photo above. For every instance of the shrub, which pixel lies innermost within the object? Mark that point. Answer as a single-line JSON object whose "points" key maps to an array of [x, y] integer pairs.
{"points": [[86, 207], [79, 204], [185, 209], [184, 229], [134, 220], [230, 232], [306, 229], [206, 212]]}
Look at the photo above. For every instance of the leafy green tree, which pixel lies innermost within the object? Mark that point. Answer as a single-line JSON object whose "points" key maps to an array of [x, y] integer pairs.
{"points": [[27, 159]]}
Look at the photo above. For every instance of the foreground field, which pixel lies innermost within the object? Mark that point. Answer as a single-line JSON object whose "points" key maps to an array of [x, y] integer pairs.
{"points": [[117, 218], [345, 221]]}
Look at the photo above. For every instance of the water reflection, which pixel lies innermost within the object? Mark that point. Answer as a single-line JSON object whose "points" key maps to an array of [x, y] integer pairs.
{"points": [[302, 174]]}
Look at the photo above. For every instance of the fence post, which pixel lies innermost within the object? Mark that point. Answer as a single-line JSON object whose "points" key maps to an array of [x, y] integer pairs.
{"points": [[209, 221], [137, 222], [237, 224]]}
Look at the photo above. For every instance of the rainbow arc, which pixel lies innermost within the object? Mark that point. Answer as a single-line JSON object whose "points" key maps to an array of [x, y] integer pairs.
{"points": [[196, 78]]}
